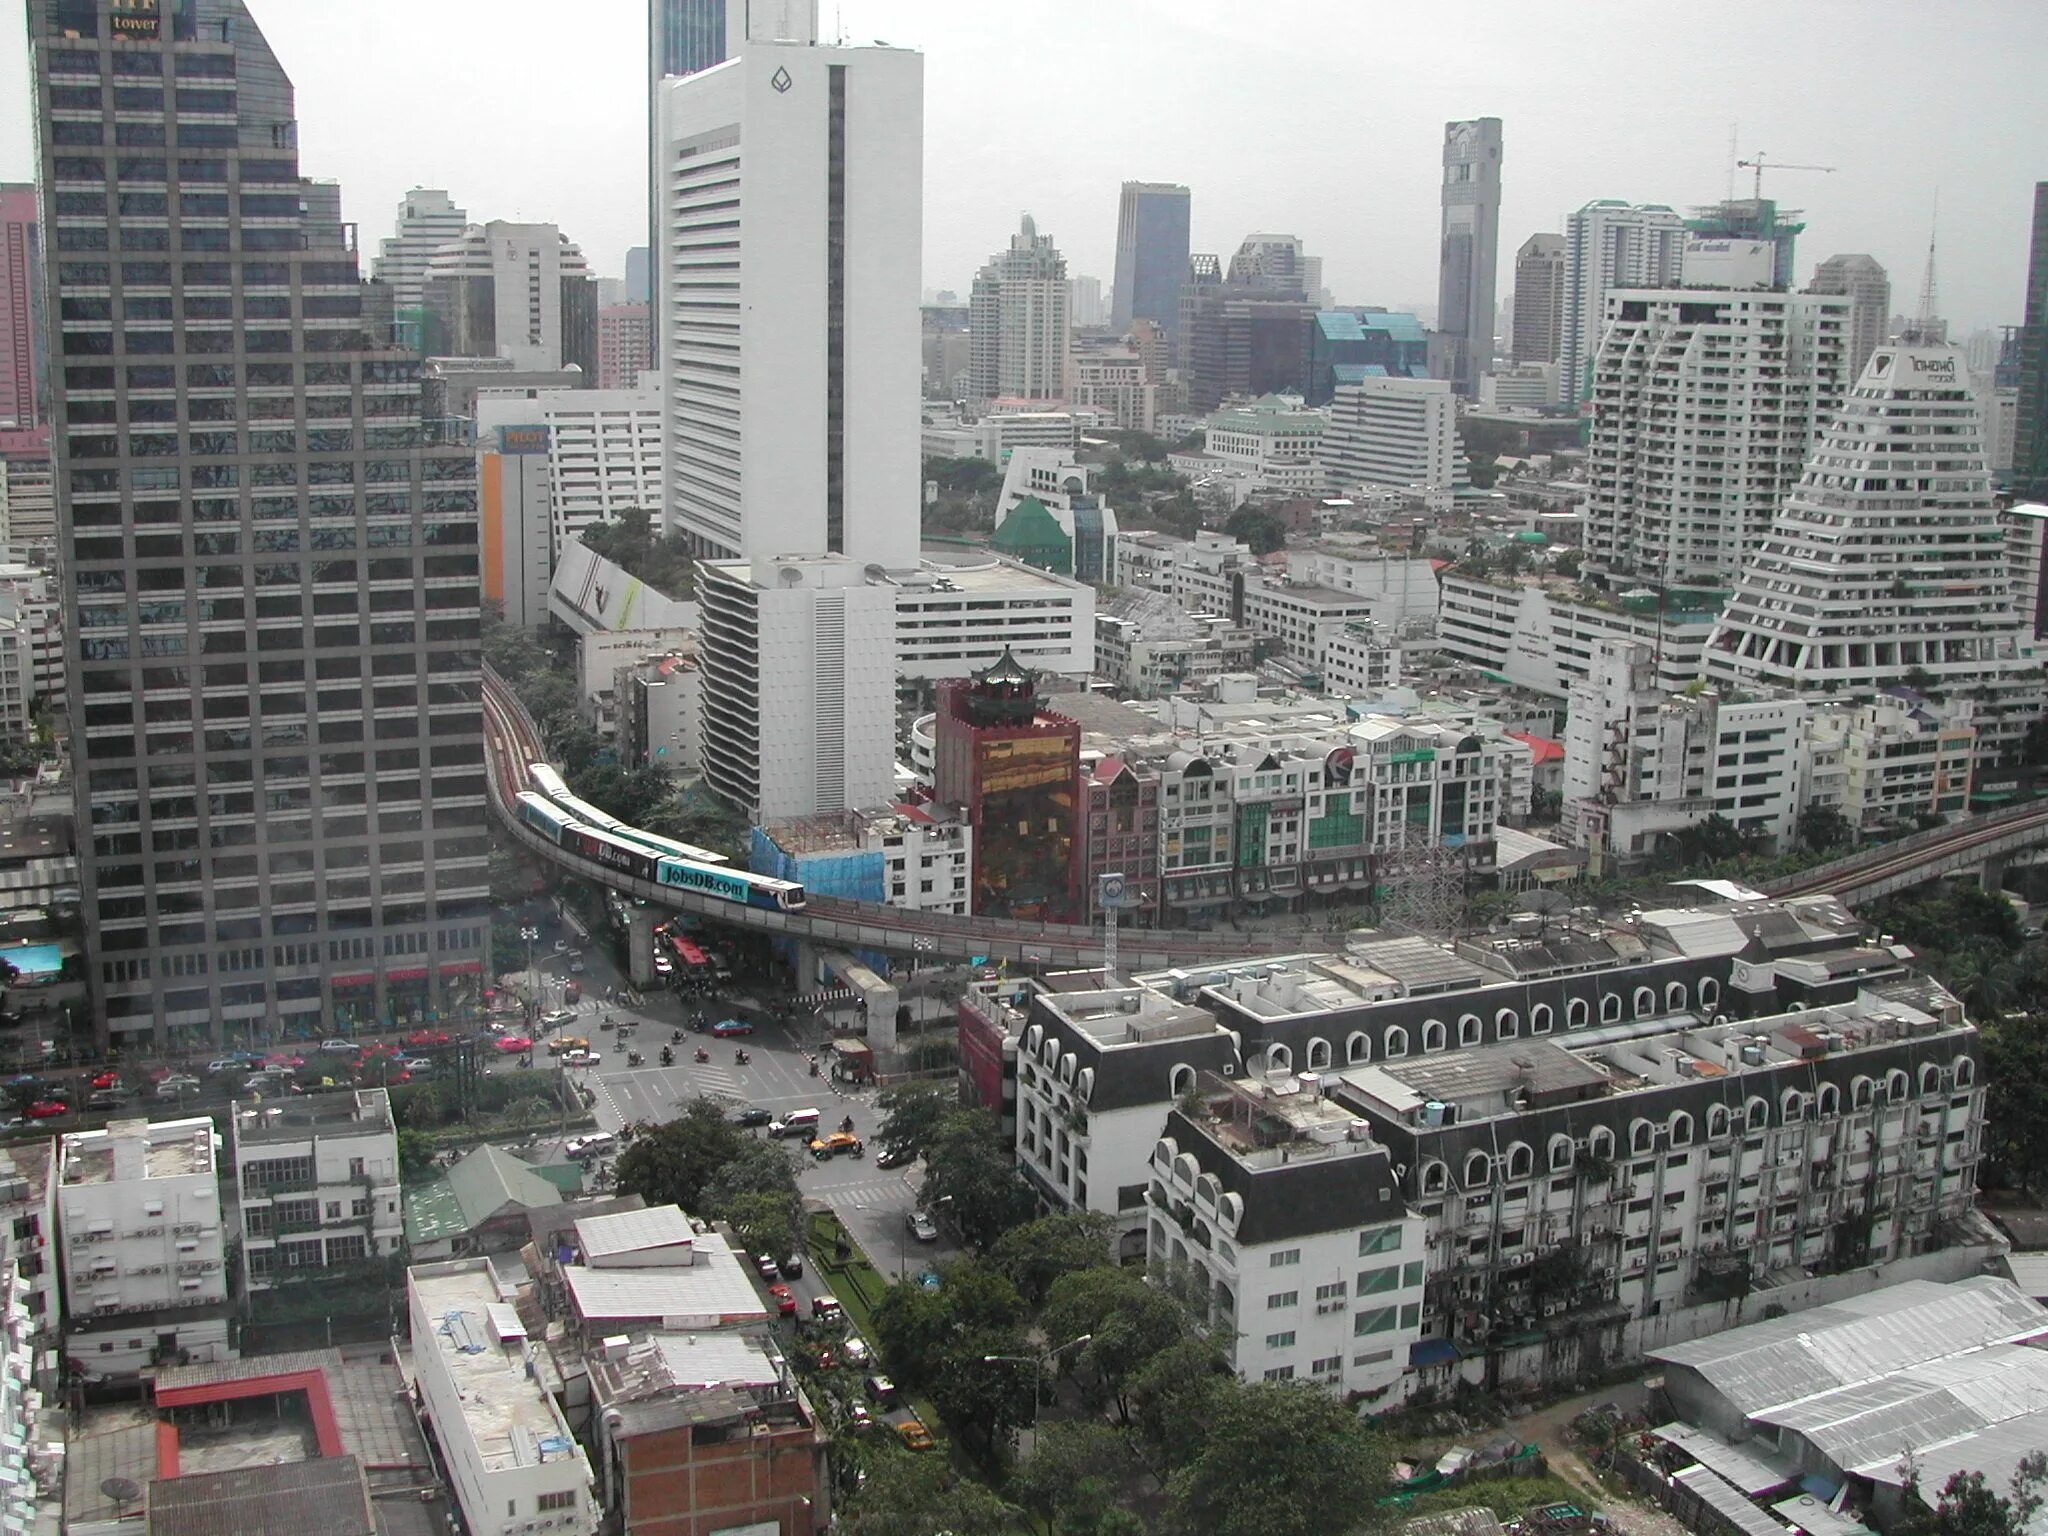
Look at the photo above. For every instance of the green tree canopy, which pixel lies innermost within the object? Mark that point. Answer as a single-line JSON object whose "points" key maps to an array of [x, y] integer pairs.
{"points": [[675, 1163], [908, 1494], [913, 1113], [1257, 527], [1278, 1459], [1073, 1477], [970, 1171], [1038, 1253]]}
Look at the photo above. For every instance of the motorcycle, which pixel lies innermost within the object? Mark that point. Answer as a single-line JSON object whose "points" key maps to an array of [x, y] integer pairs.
{"points": [[702, 1055], [632, 1058], [740, 1058], [675, 1037], [668, 1057], [846, 1125]]}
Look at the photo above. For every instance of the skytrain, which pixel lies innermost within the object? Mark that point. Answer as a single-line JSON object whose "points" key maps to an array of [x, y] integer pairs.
{"points": [[582, 829]]}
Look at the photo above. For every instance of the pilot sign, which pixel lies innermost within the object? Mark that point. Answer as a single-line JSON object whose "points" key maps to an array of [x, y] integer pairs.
{"points": [[1112, 892]]}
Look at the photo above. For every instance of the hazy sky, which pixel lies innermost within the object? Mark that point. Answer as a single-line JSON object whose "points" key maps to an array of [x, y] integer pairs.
{"points": [[1321, 118]]}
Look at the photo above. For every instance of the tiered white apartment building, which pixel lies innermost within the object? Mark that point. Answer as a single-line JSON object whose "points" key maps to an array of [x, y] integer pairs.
{"points": [[1610, 244], [145, 1271], [1706, 403], [1396, 433], [427, 220], [1888, 562], [318, 1184], [516, 1468], [1272, 444]]}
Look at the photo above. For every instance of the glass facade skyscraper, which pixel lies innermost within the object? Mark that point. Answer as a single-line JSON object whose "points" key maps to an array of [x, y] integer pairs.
{"points": [[271, 607], [2030, 435], [1151, 254]]}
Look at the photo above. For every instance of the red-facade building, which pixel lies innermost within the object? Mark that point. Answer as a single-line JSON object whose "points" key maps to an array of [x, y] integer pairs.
{"points": [[1013, 768]]}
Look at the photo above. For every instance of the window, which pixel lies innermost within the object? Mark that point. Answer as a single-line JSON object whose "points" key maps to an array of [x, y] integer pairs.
{"points": [[1506, 1024], [1539, 1019], [1639, 1136], [1283, 1258], [1281, 1299], [1334, 1291], [1561, 1149], [1318, 1055], [1521, 1161], [1674, 997], [1281, 1372], [1601, 1144], [1610, 1007], [1356, 1050], [1371, 1282], [1710, 993], [1183, 1081], [566, 1499], [1966, 1071], [1478, 1170], [1329, 1365], [1830, 1100], [1377, 1320], [1646, 1002], [1380, 1240], [1280, 1340], [1717, 1122], [1575, 1013], [1468, 1030], [1434, 1177], [1397, 1042], [1433, 1035]]}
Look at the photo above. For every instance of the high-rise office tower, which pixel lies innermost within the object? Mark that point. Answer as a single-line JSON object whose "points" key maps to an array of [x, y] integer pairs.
{"points": [[1018, 320], [624, 346], [639, 276], [787, 294], [1470, 248], [1539, 300], [2030, 430], [1869, 292], [1277, 267], [1887, 564], [1705, 408], [427, 220], [1151, 254], [271, 610], [1752, 218], [517, 291], [1086, 301], [1610, 244], [1396, 434], [685, 36], [23, 384]]}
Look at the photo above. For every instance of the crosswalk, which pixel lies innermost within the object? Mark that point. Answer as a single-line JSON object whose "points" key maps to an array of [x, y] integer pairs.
{"points": [[891, 1190]]}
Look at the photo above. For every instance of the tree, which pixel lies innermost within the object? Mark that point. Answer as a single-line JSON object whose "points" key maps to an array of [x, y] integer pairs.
{"points": [[1968, 1507], [912, 1325], [1073, 1475], [1257, 527], [2016, 1078], [912, 1495], [1169, 1397], [415, 1154], [1823, 827], [912, 1114], [969, 1170], [674, 1163], [1038, 1253], [1129, 1323], [983, 1400], [1278, 1459]]}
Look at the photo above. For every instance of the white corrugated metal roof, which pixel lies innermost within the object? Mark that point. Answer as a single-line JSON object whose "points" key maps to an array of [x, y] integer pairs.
{"points": [[2029, 1272], [1996, 1452], [658, 1226], [1722, 1496], [1921, 1406]]}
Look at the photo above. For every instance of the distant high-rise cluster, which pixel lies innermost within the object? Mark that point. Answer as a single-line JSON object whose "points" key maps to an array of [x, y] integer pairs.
{"points": [[517, 291], [1470, 248], [1538, 329], [427, 220]]}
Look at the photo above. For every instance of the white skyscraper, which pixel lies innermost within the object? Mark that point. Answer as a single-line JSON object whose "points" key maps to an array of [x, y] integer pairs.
{"points": [[1887, 565], [1705, 406], [427, 220], [1395, 433], [1610, 244], [517, 291], [787, 291], [1018, 320]]}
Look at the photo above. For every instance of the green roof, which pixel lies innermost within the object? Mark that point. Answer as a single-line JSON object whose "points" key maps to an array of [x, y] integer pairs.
{"points": [[482, 1185], [1033, 535], [432, 1212]]}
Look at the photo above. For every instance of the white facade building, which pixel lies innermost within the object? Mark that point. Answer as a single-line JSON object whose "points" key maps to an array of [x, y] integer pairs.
{"points": [[1272, 444], [1705, 406], [604, 454], [427, 220], [1520, 387], [1362, 662], [1869, 291], [1019, 321], [1547, 635], [956, 620], [28, 505], [318, 1184], [1115, 385], [1395, 432], [28, 1215], [522, 292], [1001, 434], [28, 600], [1887, 564], [514, 1463], [799, 668], [788, 301], [145, 1271], [1610, 244]]}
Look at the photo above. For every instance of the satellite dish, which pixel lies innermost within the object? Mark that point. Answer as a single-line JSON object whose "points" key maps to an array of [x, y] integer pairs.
{"points": [[790, 576], [122, 1490]]}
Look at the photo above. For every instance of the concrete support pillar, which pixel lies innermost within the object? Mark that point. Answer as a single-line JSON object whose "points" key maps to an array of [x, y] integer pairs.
{"points": [[1991, 874], [640, 947]]}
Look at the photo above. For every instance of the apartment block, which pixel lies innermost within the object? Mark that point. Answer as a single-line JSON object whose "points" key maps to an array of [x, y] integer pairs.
{"points": [[318, 1185], [145, 1272], [1398, 434], [1547, 634], [28, 1217]]}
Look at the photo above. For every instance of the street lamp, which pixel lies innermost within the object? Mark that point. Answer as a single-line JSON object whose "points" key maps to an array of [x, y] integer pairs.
{"points": [[1040, 1364], [532, 937]]}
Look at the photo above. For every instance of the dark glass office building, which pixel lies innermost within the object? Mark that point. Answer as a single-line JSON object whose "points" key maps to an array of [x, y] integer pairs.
{"points": [[271, 609], [1151, 254], [2030, 436]]}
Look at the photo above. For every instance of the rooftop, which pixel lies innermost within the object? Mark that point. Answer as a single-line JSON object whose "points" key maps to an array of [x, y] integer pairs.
{"points": [[714, 1288], [327, 1496], [25, 1170], [137, 1149], [366, 1112], [1265, 1122], [1131, 1015], [622, 1232], [512, 1420]]}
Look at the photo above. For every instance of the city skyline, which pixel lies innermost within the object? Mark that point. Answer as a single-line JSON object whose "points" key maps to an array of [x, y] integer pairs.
{"points": [[557, 134]]}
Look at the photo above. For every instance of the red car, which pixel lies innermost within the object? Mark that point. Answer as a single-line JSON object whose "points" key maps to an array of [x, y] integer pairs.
{"points": [[107, 1080], [725, 1029], [426, 1037], [46, 1109], [512, 1045], [785, 1299]]}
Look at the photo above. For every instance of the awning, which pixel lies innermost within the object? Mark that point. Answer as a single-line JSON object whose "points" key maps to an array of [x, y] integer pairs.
{"points": [[1431, 1352]]}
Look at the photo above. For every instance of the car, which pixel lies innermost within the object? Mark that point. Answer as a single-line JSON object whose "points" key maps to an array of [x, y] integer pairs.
{"points": [[337, 1047], [765, 1263], [785, 1299], [561, 1045], [896, 1157], [582, 1059], [107, 1080], [512, 1045], [880, 1390], [580, 1149], [415, 1063], [555, 1018], [561, 946], [914, 1435], [751, 1116], [858, 1416], [106, 1098], [47, 1109], [663, 966], [286, 1059], [825, 1148], [793, 1266], [826, 1309], [223, 1064], [921, 1226], [855, 1350], [725, 1029], [571, 992], [576, 965], [174, 1085], [427, 1037]]}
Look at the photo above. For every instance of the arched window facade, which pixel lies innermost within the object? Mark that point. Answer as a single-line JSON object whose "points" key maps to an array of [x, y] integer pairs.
{"points": [[1646, 1002], [1397, 1042], [1433, 1034], [1610, 1007], [1576, 1013], [1318, 1055], [1539, 1019], [1469, 1029], [1506, 1025], [1357, 1048]]}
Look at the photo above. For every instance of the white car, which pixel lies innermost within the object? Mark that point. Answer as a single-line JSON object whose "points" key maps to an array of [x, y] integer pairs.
{"points": [[338, 1047], [224, 1064], [922, 1227], [598, 1144], [554, 1018], [175, 1085], [582, 1059]]}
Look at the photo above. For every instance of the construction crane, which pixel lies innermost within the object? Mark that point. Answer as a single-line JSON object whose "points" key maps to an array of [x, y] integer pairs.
{"points": [[1757, 165]]}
